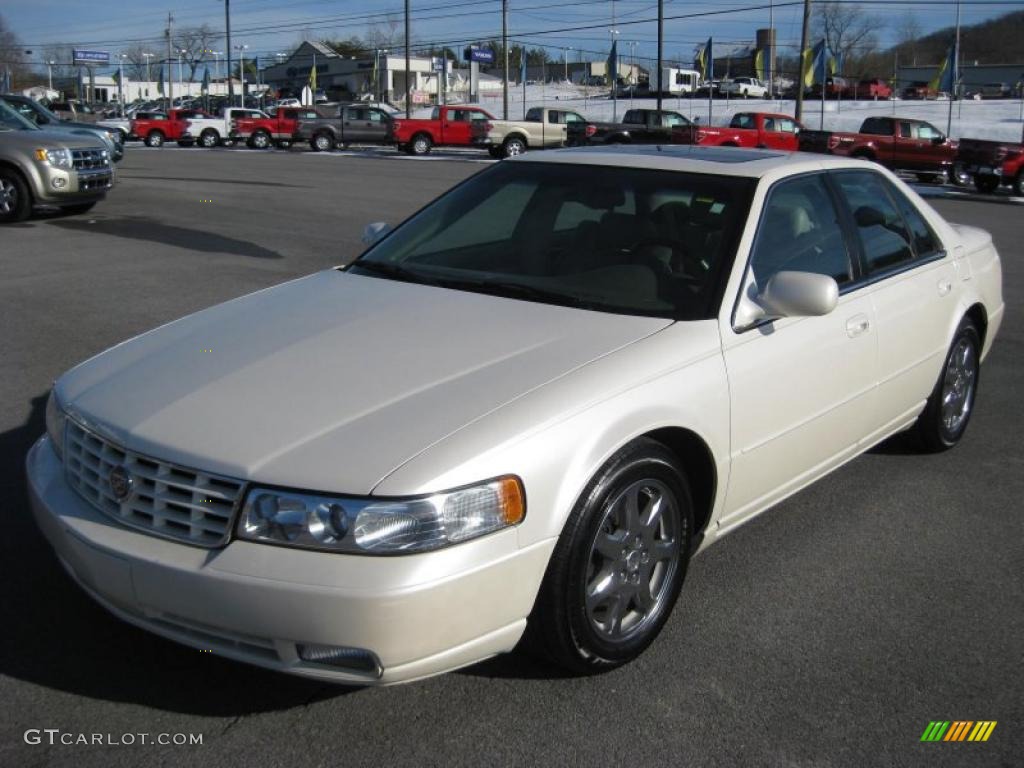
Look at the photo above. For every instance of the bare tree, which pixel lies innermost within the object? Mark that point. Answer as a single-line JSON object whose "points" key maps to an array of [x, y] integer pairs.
{"points": [[389, 34], [908, 30], [135, 63], [197, 44], [848, 32], [12, 55]]}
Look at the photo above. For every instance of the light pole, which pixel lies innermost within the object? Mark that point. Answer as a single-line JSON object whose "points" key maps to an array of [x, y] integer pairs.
{"points": [[181, 80], [120, 81], [227, 49], [565, 60], [149, 75], [241, 73], [49, 72]]}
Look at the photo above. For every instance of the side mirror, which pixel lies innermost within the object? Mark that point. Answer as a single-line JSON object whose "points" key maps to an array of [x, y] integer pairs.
{"points": [[788, 294], [375, 232], [940, 139]]}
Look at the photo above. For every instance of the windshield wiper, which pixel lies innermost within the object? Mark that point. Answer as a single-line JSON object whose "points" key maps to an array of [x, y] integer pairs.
{"points": [[394, 271], [516, 290]]}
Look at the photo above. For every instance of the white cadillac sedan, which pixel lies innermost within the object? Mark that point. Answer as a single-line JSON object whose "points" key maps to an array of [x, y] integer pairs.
{"points": [[521, 411]]}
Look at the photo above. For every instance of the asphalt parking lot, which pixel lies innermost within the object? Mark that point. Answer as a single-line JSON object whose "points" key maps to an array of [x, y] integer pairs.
{"points": [[828, 632]]}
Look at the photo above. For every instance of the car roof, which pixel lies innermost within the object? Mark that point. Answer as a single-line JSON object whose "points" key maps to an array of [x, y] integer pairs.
{"points": [[719, 161]]}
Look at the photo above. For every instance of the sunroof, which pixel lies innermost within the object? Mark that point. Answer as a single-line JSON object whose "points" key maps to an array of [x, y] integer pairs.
{"points": [[687, 151]]}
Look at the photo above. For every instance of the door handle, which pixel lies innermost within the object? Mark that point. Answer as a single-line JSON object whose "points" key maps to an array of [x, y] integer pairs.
{"points": [[857, 325], [945, 286]]}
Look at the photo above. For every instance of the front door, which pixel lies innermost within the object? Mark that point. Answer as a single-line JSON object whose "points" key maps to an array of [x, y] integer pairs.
{"points": [[802, 389]]}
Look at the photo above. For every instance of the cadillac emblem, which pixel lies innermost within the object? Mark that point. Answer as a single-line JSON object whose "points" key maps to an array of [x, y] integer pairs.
{"points": [[120, 482]]}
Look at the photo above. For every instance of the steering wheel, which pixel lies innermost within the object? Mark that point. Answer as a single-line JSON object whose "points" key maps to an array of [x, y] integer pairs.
{"points": [[681, 262]]}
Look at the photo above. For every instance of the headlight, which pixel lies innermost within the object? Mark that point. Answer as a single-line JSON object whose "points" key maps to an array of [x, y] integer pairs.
{"points": [[381, 526], [58, 158], [55, 420]]}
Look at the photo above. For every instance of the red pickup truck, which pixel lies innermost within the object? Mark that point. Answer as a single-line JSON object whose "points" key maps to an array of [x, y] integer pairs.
{"points": [[897, 143], [155, 128], [447, 126], [279, 128], [747, 129], [992, 163]]}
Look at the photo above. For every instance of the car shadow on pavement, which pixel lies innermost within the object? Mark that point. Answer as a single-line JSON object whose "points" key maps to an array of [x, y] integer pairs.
{"points": [[243, 182], [57, 637], [151, 230]]}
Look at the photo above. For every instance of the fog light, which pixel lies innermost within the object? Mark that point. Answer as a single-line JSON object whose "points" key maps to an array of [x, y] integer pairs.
{"points": [[59, 183], [353, 659]]}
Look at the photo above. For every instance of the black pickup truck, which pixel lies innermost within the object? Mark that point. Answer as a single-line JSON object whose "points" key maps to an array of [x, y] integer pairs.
{"points": [[352, 124], [638, 126]]}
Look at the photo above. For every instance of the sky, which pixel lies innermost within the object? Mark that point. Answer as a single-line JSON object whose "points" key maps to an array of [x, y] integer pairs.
{"points": [[272, 26]]}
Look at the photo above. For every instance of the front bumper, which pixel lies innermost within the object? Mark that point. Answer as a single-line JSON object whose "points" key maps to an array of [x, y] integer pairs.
{"points": [[419, 615], [57, 186]]}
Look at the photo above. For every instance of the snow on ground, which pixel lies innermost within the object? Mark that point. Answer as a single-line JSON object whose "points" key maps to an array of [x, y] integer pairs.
{"points": [[994, 119]]}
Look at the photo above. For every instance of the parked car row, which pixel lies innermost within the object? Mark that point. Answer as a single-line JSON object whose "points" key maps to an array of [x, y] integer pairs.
{"points": [[903, 144]]}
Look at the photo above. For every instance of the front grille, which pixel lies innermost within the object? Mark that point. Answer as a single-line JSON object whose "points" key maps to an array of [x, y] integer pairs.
{"points": [[84, 159], [95, 181], [163, 499]]}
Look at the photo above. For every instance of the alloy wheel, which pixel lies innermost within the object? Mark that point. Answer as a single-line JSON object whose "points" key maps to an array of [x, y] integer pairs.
{"points": [[958, 385], [632, 560], [8, 196]]}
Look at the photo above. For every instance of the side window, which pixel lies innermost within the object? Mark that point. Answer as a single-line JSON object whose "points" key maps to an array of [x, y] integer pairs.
{"points": [[533, 115], [787, 126], [769, 124], [883, 233], [572, 117], [925, 241], [877, 126], [800, 231], [743, 121], [375, 116], [672, 119], [555, 117], [475, 114], [906, 131], [927, 131]]}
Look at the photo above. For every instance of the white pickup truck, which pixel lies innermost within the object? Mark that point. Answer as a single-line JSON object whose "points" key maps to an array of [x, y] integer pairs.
{"points": [[543, 128], [214, 131]]}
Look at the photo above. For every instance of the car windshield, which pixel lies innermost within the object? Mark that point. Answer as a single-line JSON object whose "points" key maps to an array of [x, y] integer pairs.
{"points": [[605, 238], [10, 120]]}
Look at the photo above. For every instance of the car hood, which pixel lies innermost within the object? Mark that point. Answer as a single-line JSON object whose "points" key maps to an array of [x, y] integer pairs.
{"points": [[332, 381], [31, 139]]}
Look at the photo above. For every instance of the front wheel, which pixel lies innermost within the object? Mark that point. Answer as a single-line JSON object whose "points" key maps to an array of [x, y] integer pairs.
{"points": [[155, 139], [944, 419], [259, 140], [420, 145], [958, 177], [514, 146], [1018, 183], [15, 200], [619, 563], [209, 138]]}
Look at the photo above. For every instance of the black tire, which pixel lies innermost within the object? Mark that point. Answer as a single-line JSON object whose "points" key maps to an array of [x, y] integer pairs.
{"points": [[283, 144], [961, 369], [421, 144], [986, 184], [495, 152], [929, 178], [864, 155], [15, 198], [155, 139], [209, 138], [1018, 184], [185, 142], [260, 140], [78, 208], [514, 145], [562, 625], [958, 177], [322, 142]]}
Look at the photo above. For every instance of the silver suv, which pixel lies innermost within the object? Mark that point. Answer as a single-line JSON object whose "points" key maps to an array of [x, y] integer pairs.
{"points": [[42, 168]]}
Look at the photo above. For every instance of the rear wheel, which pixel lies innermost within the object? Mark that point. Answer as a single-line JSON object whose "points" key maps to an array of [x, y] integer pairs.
{"points": [[494, 152], [155, 139], [421, 144], [322, 142], [619, 563], [15, 200], [986, 184], [958, 177], [944, 419], [209, 138], [513, 146], [929, 178], [1018, 183]]}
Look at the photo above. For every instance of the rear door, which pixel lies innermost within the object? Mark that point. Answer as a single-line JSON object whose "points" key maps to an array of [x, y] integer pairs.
{"points": [[932, 151], [783, 134], [913, 279], [355, 123], [909, 149]]}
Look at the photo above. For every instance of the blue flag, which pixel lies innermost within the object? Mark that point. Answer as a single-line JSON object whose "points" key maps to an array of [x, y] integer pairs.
{"points": [[944, 79], [522, 66], [613, 63], [815, 64], [705, 61]]}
